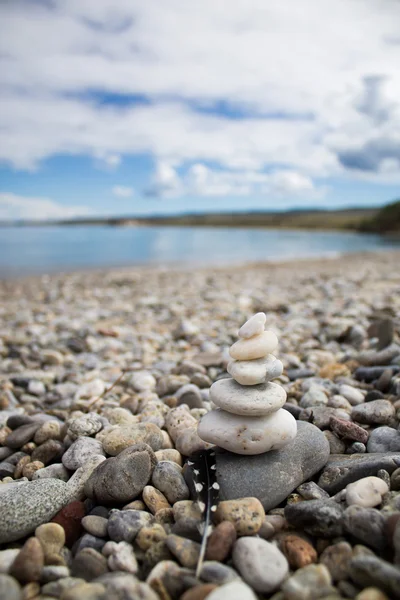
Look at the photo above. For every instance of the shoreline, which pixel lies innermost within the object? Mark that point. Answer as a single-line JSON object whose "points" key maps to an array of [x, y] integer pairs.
{"points": [[179, 267]]}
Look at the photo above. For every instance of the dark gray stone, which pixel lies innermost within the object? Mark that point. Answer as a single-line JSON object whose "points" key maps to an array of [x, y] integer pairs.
{"points": [[371, 571], [384, 439], [294, 374], [369, 374], [379, 412], [124, 525], [26, 506], [272, 476], [89, 541], [322, 518], [6, 469], [378, 357], [343, 469], [216, 572], [123, 477], [22, 435], [365, 524]]}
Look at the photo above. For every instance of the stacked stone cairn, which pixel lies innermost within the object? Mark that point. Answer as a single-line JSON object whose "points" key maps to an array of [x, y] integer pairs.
{"points": [[249, 418]]}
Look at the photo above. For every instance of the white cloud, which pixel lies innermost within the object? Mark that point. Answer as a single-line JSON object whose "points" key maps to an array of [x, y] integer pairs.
{"points": [[200, 180], [122, 191], [316, 82], [14, 207]]}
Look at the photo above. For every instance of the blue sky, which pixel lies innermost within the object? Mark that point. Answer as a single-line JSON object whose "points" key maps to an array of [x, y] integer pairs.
{"points": [[118, 107]]}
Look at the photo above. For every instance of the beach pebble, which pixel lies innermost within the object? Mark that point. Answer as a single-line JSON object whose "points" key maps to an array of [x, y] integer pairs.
{"points": [[312, 581], [168, 479], [84, 591], [341, 470], [186, 551], [123, 477], [190, 395], [254, 372], [322, 518], [52, 539], [373, 571], [348, 430], [365, 524], [179, 419], [298, 551], [120, 438], [272, 476], [50, 430], [336, 559], [29, 562], [142, 380], [315, 396], [86, 425], [253, 326], [260, 563], [124, 525], [21, 435], [76, 484], [10, 588], [121, 557], [154, 499], [248, 435], [384, 439], [70, 518], [246, 515], [150, 535], [220, 542], [254, 401], [219, 573], [235, 590], [352, 394], [378, 412], [95, 525], [80, 450], [366, 492], [7, 558], [188, 442], [254, 347], [89, 564], [25, 507]]}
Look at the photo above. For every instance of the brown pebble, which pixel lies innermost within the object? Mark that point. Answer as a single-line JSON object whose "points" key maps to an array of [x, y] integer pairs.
{"points": [[52, 539], [246, 514], [333, 370], [19, 467], [28, 564], [298, 551], [337, 560], [28, 448], [70, 518], [165, 516], [199, 592], [150, 535], [50, 430], [186, 551], [220, 542], [135, 505], [4, 433], [30, 469], [154, 499], [348, 430], [48, 451]]}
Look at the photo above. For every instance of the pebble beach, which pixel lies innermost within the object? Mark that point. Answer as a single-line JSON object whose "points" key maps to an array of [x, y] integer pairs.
{"points": [[104, 377]]}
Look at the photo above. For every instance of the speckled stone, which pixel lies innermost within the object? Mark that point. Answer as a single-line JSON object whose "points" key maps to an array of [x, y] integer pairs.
{"points": [[168, 479], [79, 451], [246, 515], [322, 518], [120, 438], [261, 564], [26, 506]]}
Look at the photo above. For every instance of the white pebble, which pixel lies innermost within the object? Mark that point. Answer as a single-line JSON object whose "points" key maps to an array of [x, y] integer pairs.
{"points": [[254, 347], [366, 492], [248, 435], [254, 326], [261, 564], [253, 372], [254, 401]]}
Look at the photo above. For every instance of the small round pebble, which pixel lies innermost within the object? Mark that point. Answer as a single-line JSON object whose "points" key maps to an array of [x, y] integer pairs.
{"points": [[260, 563]]}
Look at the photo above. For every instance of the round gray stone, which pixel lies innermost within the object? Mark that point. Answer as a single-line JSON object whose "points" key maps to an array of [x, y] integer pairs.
{"points": [[78, 453], [384, 439]]}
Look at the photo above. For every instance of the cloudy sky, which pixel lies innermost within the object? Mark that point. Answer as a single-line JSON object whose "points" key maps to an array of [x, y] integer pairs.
{"points": [[150, 106]]}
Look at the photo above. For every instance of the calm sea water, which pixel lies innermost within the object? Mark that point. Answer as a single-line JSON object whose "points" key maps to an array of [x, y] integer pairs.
{"points": [[38, 250]]}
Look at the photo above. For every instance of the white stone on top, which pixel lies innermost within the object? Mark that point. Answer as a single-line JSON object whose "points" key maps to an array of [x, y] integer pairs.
{"points": [[248, 435], [257, 346], [254, 401], [254, 326], [253, 372]]}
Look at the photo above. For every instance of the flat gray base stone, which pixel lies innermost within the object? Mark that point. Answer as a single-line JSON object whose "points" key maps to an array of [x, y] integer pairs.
{"points": [[272, 476]]}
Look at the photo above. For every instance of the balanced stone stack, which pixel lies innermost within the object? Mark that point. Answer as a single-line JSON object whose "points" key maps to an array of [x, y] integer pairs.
{"points": [[249, 418]]}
